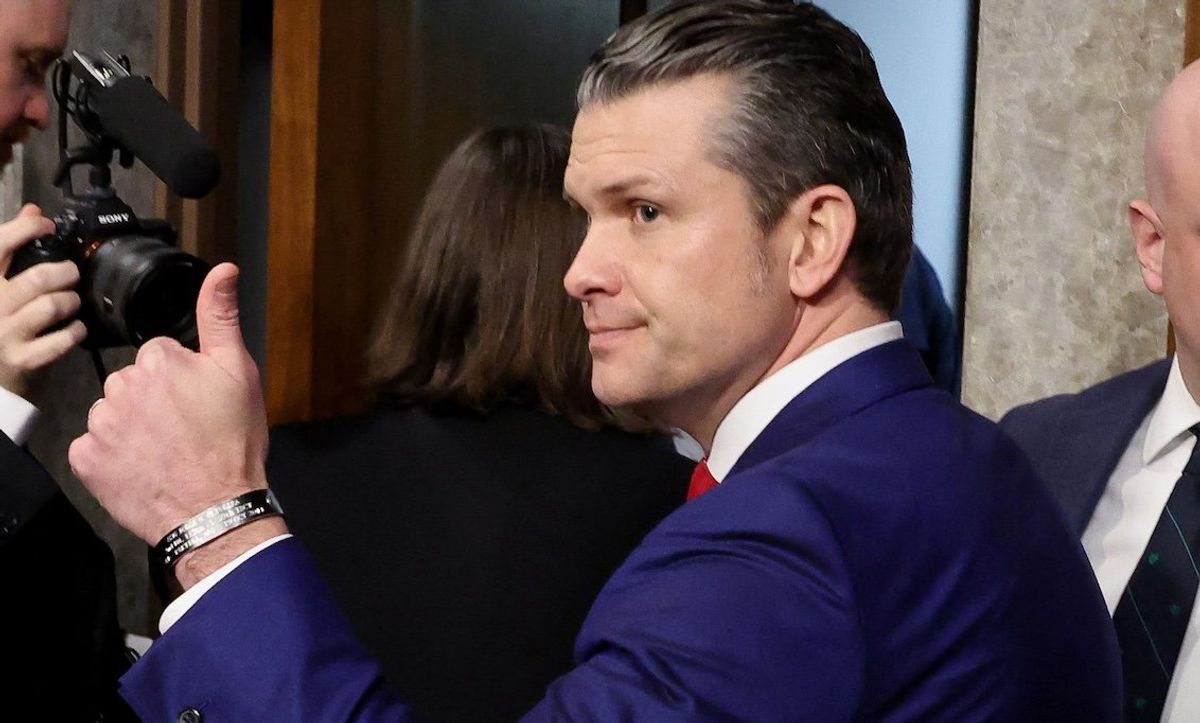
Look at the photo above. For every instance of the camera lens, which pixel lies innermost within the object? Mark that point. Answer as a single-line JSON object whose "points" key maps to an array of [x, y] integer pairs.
{"points": [[142, 288]]}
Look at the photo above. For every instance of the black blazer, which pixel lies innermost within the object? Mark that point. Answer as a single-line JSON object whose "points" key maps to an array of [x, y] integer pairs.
{"points": [[1076, 440], [58, 612], [465, 549]]}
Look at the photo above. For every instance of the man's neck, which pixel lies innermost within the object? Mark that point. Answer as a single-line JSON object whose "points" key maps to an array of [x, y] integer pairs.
{"points": [[816, 326], [1189, 369]]}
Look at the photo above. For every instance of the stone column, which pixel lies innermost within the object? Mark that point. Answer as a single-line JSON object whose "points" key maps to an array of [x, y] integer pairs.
{"points": [[1054, 299]]}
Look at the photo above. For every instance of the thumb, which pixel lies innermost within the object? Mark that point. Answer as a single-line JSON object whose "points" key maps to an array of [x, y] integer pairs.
{"points": [[217, 319]]}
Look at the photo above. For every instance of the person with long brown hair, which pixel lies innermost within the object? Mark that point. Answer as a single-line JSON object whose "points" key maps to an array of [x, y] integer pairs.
{"points": [[468, 521]]}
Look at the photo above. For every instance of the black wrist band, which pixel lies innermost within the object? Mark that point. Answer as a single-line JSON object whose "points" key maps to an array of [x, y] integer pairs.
{"points": [[213, 522]]}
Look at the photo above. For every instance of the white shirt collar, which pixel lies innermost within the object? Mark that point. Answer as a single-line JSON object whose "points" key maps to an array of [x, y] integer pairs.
{"points": [[754, 411], [1172, 417]]}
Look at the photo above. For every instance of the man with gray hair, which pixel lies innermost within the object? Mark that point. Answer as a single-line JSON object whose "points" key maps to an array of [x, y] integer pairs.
{"points": [[858, 546]]}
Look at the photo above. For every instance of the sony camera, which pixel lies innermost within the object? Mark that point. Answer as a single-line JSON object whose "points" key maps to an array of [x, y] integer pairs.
{"points": [[135, 284]]}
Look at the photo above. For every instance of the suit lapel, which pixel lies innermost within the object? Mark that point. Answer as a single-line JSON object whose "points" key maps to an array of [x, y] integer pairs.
{"points": [[1096, 432], [857, 383]]}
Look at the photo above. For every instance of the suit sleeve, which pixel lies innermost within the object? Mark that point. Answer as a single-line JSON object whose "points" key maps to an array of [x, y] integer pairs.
{"points": [[699, 625], [266, 643]]}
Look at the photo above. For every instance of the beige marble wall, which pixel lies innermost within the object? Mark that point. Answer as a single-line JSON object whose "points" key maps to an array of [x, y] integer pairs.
{"points": [[1054, 301]]}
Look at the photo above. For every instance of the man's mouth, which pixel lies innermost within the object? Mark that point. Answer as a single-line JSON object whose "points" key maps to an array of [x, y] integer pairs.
{"points": [[601, 337]]}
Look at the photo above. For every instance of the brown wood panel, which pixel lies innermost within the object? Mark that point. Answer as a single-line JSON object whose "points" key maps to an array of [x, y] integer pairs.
{"points": [[169, 79], [292, 195], [210, 101], [194, 38], [349, 229], [1191, 32]]}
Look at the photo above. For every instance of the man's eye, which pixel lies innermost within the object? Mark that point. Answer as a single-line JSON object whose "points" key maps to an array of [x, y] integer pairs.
{"points": [[646, 213], [35, 72]]}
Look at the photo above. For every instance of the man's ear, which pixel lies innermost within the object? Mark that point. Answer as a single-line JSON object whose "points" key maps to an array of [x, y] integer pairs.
{"points": [[1148, 243], [821, 222]]}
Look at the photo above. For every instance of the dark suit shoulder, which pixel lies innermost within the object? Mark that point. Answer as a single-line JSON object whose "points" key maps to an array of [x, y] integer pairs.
{"points": [[1044, 414], [1074, 441]]}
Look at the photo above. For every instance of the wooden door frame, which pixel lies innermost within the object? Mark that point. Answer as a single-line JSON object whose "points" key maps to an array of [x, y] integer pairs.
{"points": [[196, 41]]}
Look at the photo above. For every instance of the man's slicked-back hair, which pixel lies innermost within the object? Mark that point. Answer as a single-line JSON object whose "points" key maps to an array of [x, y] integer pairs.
{"points": [[808, 109]]}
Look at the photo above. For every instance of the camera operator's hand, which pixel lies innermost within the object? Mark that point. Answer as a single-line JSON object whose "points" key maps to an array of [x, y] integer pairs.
{"points": [[31, 302], [179, 431]]}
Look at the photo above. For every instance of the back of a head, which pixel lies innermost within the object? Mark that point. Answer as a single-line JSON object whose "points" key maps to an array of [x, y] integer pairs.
{"points": [[809, 110], [477, 314]]}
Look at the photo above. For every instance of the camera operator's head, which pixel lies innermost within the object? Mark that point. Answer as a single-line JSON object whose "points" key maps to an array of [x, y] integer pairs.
{"points": [[32, 35]]}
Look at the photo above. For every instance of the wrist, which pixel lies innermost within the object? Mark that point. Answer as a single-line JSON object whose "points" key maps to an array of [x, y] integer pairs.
{"points": [[197, 564]]}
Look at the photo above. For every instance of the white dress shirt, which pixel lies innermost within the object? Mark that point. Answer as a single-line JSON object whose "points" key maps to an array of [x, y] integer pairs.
{"points": [[753, 412], [1128, 511], [745, 421], [17, 417]]}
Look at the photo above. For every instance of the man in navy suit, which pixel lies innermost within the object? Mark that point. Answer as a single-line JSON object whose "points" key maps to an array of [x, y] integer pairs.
{"points": [[860, 547], [1118, 457]]}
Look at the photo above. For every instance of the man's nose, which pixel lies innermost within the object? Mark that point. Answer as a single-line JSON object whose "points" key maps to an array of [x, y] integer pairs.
{"points": [[37, 108], [595, 270]]}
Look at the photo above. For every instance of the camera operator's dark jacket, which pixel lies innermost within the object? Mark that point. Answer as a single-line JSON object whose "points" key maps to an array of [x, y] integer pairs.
{"points": [[58, 615]]}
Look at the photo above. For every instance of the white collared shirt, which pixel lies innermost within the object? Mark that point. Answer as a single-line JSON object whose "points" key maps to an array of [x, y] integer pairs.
{"points": [[754, 411], [17, 417], [1128, 511]]}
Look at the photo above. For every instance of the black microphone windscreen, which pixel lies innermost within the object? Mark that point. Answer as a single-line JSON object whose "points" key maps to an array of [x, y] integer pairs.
{"points": [[134, 114]]}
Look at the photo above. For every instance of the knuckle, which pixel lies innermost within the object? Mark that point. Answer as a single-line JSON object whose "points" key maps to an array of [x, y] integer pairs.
{"points": [[150, 353], [103, 421], [131, 377], [53, 306], [79, 457], [114, 384]]}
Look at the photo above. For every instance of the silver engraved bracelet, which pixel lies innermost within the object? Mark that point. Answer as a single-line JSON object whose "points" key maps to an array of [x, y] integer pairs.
{"points": [[213, 522]]}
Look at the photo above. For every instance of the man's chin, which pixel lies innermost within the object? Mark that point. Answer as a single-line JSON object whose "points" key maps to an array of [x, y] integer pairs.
{"points": [[626, 396]]}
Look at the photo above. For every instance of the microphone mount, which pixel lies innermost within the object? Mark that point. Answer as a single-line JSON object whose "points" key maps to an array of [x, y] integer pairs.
{"points": [[100, 147]]}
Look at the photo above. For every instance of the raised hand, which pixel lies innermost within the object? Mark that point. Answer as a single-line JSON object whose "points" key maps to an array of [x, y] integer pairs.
{"points": [[31, 302], [179, 431]]}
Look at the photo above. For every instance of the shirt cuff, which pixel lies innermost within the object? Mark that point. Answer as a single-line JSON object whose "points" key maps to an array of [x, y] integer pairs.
{"points": [[17, 417], [180, 605]]}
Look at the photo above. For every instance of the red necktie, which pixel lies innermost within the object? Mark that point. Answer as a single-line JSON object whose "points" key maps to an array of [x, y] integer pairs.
{"points": [[702, 481]]}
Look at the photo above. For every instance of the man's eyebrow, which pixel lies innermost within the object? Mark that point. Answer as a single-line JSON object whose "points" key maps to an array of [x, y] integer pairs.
{"points": [[620, 187]]}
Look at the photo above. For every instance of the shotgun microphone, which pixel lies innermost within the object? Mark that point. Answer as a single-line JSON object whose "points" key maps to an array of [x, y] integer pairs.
{"points": [[128, 110]]}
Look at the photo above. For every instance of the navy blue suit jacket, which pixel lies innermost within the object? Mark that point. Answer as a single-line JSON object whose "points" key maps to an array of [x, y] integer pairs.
{"points": [[878, 553], [1076, 440]]}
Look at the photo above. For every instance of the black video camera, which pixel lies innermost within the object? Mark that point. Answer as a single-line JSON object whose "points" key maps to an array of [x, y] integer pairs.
{"points": [[135, 284]]}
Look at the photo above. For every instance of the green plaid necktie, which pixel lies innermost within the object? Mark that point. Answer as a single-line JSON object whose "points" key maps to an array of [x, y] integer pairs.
{"points": [[1152, 616]]}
